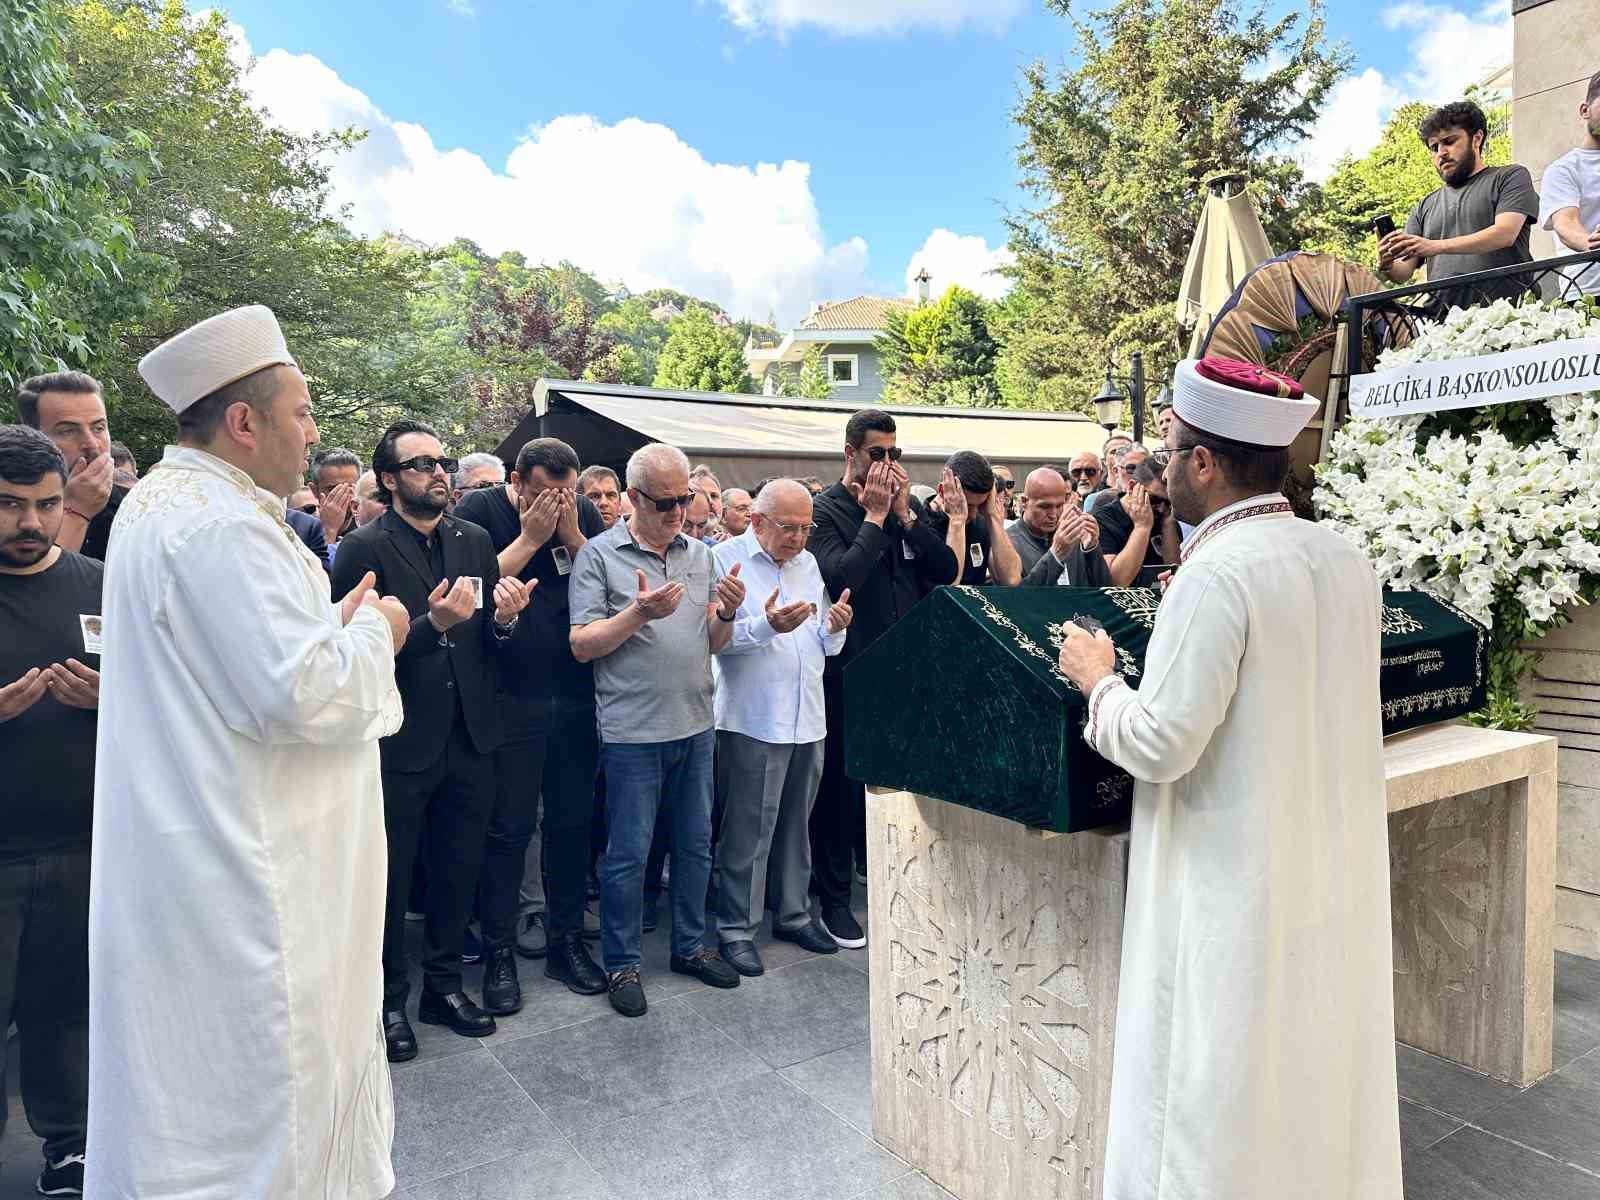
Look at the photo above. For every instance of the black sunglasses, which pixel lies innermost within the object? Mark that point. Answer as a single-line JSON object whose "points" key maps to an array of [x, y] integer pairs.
{"points": [[879, 453], [670, 503], [427, 464], [308, 508], [1008, 485], [1084, 472]]}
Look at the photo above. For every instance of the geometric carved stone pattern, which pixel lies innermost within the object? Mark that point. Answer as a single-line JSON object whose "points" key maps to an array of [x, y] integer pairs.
{"points": [[996, 954]]}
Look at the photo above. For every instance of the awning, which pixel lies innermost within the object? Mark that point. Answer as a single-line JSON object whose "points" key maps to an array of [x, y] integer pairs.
{"points": [[1228, 244], [748, 438]]}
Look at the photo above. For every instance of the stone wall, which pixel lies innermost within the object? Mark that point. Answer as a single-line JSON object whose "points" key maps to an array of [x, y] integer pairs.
{"points": [[1556, 48]]}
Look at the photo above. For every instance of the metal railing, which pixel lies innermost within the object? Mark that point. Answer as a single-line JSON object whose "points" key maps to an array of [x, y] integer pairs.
{"points": [[1378, 321]]}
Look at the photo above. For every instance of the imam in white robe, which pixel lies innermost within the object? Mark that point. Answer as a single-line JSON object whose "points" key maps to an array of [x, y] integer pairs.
{"points": [[1255, 1026], [237, 891]]}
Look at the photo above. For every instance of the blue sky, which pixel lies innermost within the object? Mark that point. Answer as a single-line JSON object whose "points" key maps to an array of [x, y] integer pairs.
{"points": [[891, 115]]}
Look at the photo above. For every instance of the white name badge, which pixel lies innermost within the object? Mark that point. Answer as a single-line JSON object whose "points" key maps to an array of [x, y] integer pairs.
{"points": [[563, 558], [975, 553], [477, 589], [907, 552], [94, 639]]}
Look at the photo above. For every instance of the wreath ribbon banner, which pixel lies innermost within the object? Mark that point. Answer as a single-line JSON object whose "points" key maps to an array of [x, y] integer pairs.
{"points": [[1554, 368]]}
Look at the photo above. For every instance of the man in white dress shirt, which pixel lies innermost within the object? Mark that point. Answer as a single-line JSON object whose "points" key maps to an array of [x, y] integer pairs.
{"points": [[770, 726], [1255, 1034], [237, 880]]}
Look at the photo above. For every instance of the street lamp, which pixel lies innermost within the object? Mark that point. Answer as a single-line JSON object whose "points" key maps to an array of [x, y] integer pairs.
{"points": [[1108, 403]]}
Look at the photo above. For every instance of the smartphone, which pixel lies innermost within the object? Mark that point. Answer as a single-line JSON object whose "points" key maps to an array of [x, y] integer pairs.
{"points": [[1088, 624], [1382, 225]]}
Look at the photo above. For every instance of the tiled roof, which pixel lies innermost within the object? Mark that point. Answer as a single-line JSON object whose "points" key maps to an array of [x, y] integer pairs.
{"points": [[864, 312]]}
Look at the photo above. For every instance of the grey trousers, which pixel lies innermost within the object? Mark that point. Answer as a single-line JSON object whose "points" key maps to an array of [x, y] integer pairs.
{"points": [[769, 790], [532, 894]]}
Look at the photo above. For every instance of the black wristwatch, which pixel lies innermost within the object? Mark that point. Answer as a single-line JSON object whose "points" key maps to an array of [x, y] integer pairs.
{"points": [[735, 616]]}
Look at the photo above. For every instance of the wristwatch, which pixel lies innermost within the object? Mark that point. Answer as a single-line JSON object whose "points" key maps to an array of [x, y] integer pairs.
{"points": [[720, 617]]}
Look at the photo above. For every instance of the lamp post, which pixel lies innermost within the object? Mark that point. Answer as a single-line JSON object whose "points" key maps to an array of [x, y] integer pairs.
{"points": [[1109, 400]]}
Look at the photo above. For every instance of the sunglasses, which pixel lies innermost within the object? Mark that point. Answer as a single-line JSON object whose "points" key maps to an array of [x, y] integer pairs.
{"points": [[479, 486], [427, 464], [308, 508], [1005, 485], [879, 453], [1084, 472], [670, 503]]}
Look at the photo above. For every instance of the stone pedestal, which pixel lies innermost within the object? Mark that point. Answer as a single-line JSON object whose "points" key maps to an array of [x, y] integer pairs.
{"points": [[995, 956]]}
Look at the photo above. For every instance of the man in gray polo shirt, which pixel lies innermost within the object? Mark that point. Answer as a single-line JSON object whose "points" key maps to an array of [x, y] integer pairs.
{"points": [[649, 607]]}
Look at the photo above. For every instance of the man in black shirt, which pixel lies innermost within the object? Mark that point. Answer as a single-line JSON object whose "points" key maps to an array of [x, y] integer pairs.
{"points": [[868, 535], [66, 406], [970, 517], [1139, 530], [538, 523], [49, 634]]}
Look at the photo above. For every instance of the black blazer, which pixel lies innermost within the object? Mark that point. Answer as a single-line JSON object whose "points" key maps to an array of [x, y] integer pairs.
{"points": [[431, 669], [309, 527]]}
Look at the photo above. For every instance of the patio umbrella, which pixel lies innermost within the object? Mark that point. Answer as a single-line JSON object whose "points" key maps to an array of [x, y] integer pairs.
{"points": [[1227, 245]]}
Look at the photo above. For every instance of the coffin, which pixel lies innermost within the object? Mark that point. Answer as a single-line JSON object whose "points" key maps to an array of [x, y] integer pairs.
{"points": [[962, 699]]}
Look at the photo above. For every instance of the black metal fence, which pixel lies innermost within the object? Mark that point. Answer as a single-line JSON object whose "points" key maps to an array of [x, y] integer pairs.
{"points": [[1380, 320]]}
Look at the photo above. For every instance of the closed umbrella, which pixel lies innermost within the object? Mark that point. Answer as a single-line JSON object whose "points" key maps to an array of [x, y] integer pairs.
{"points": [[1228, 244]]}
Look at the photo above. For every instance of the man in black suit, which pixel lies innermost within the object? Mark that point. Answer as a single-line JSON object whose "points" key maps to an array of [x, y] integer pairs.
{"points": [[438, 770], [310, 530]]}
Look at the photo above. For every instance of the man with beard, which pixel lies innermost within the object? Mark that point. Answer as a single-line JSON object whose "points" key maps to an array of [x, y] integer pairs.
{"points": [[49, 634], [1255, 1041], [438, 770], [1569, 195], [1479, 219], [66, 406], [238, 844], [870, 538]]}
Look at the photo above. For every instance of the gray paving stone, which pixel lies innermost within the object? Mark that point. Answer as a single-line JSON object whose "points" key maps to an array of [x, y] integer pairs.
{"points": [[460, 1112], [793, 1014], [604, 1070], [840, 1081], [1445, 1087], [552, 1172], [1577, 1007], [915, 1186], [1422, 1127], [754, 1139], [1559, 1116], [1473, 1165]]}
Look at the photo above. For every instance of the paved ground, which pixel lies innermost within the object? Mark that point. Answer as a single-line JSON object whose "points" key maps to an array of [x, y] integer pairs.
{"points": [[763, 1092]]}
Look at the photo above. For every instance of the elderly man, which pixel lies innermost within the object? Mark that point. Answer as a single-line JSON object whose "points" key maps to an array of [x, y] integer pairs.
{"points": [[736, 509], [1085, 473], [697, 517], [649, 607], [67, 407], [871, 539], [600, 487], [239, 851], [1049, 537], [971, 520], [1005, 486], [770, 727], [1260, 684], [702, 480], [474, 472], [368, 507]]}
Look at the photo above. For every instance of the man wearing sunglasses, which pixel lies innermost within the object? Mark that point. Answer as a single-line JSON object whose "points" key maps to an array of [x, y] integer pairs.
{"points": [[1085, 472], [1005, 485], [871, 539], [438, 770], [649, 607]]}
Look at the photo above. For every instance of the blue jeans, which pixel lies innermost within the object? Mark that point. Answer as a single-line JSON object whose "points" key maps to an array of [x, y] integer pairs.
{"points": [[642, 778]]}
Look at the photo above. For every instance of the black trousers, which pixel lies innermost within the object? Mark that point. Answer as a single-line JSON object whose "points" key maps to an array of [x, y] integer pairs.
{"points": [[839, 817], [551, 749], [44, 988], [445, 809]]}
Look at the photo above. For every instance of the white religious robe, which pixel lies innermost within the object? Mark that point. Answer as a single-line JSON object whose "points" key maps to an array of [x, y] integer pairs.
{"points": [[1255, 1025], [237, 889]]}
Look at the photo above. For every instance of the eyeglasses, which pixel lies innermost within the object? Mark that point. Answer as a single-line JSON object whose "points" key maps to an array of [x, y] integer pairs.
{"points": [[427, 464], [1129, 468], [308, 508], [1005, 485], [480, 485], [670, 503], [879, 453], [1162, 457], [789, 530], [1084, 472]]}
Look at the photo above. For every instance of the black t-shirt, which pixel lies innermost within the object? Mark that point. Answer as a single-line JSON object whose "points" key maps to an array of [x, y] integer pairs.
{"points": [[1116, 527], [539, 662], [975, 560], [47, 802], [98, 536]]}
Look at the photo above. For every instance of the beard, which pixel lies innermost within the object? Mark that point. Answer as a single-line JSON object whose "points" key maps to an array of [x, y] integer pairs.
{"points": [[429, 499], [1187, 505], [1463, 169], [1594, 120], [24, 551]]}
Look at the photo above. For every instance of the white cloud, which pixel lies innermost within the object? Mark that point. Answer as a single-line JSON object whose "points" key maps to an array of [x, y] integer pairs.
{"points": [[856, 17], [462, 8], [631, 202], [951, 258], [1448, 48]]}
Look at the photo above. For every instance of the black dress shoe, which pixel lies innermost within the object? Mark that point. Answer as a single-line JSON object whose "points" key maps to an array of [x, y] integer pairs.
{"points": [[398, 1037], [457, 1011], [706, 967], [502, 994], [570, 963], [742, 957], [809, 936], [627, 993]]}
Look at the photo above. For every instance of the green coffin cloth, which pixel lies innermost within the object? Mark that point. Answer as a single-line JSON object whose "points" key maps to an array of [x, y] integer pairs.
{"points": [[962, 699]]}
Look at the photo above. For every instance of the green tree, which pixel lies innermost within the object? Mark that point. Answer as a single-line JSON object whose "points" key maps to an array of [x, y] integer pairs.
{"points": [[62, 244], [1115, 152], [809, 380], [237, 212], [1389, 179], [700, 355], [940, 353]]}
